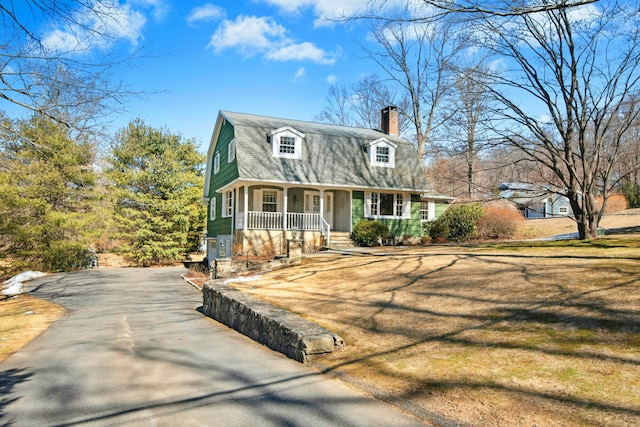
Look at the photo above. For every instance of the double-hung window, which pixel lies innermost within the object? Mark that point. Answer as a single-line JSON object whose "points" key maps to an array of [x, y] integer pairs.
{"points": [[382, 155], [269, 201], [227, 204], [216, 163], [231, 155], [427, 211], [399, 205], [212, 209], [287, 145], [375, 204]]}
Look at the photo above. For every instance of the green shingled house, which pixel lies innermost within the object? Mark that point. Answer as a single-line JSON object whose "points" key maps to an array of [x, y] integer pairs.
{"points": [[269, 179]]}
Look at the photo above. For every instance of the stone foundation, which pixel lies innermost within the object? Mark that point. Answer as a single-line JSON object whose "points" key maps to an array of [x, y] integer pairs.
{"points": [[274, 327], [271, 242]]}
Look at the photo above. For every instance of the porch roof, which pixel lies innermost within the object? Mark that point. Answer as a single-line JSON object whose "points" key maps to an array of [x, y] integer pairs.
{"points": [[331, 156]]}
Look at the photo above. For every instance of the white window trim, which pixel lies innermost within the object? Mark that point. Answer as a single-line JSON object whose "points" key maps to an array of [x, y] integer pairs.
{"points": [[257, 199], [290, 132], [372, 148], [212, 209], [431, 211], [406, 205], [216, 163], [231, 155], [227, 204], [308, 196]]}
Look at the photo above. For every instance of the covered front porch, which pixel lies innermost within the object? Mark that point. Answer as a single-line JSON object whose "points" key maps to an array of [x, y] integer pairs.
{"points": [[264, 212]]}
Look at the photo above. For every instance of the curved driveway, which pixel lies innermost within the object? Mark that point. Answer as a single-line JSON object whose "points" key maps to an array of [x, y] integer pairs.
{"points": [[133, 350]]}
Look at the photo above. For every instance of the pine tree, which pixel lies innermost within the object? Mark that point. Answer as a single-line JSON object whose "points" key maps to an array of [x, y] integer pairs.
{"points": [[46, 195], [156, 179]]}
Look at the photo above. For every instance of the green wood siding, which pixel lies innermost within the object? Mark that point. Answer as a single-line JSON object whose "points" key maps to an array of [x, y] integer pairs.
{"points": [[397, 227], [227, 173], [440, 208], [357, 208]]}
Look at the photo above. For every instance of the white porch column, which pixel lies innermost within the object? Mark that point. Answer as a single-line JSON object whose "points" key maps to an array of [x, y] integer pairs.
{"points": [[321, 204], [284, 208], [245, 212]]}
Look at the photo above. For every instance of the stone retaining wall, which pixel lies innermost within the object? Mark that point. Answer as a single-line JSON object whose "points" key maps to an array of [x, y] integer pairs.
{"points": [[278, 329]]}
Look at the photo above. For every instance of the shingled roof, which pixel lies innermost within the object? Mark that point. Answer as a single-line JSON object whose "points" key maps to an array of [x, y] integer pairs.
{"points": [[331, 156]]}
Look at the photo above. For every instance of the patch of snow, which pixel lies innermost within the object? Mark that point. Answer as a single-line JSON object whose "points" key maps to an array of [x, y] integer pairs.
{"points": [[13, 286]]}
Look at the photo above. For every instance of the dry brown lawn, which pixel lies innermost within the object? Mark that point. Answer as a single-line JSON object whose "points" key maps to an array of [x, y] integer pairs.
{"points": [[22, 318], [533, 334]]}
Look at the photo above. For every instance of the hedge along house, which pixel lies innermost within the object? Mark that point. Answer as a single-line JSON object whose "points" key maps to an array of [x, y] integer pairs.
{"points": [[270, 179]]}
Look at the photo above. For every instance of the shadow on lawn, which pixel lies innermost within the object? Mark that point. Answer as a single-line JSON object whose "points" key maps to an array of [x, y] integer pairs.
{"points": [[594, 320]]}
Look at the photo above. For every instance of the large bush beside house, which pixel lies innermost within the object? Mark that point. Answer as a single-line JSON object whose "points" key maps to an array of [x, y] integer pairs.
{"points": [[499, 221], [459, 221], [369, 232]]}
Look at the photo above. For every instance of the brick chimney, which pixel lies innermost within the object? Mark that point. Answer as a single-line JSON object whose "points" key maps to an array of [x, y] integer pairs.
{"points": [[389, 122]]}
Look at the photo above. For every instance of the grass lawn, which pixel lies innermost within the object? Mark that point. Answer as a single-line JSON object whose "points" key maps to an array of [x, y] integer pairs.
{"points": [[518, 334], [22, 318]]}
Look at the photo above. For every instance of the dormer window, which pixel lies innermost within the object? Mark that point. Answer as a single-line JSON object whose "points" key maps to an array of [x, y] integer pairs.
{"points": [[382, 153], [286, 143]]}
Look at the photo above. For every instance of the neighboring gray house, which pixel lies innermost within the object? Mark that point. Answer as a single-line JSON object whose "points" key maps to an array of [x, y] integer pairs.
{"points": [[268, 178], [536, 201]]}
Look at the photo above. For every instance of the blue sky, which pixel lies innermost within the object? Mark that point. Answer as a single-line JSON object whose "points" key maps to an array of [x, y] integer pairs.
{"points": [[268, 57]]}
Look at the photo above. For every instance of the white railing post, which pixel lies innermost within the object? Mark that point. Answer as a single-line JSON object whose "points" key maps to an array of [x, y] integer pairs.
{"points": [[325, 229]]}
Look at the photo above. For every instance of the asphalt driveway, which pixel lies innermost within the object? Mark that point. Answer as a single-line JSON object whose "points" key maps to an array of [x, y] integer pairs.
{"points": [[133, 350]]}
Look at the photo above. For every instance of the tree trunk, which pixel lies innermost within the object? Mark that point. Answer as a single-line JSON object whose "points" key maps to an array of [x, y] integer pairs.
{"points": [[586, 213]]}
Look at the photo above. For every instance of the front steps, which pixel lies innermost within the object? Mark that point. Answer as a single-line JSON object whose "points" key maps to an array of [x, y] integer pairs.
{"points": [[341, 239]]}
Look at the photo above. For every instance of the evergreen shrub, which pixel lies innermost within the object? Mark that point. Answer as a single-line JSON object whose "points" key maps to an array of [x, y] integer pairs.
{"points": [[369, 232], [459, 222]]}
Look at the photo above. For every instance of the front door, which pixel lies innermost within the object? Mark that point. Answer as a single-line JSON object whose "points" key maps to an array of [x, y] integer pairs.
{"points": [[328, 208], [312, 205]]}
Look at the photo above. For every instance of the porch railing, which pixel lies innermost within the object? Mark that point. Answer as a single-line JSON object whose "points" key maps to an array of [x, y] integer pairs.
{"points": [[325, 229], [274, 221]]}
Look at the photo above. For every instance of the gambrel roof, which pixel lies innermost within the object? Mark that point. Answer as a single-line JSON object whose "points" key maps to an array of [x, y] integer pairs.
{"points": [[332, 156]]}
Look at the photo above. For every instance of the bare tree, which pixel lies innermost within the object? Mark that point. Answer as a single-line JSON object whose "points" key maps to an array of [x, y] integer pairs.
{"points": [[59, 58], [337, 107], [467, 130], [417, 57], [360, 103], [567, 86], [501, 8]]}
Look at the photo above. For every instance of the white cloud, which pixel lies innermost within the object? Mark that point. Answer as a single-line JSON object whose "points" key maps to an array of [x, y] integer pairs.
{"points": [[300, 75], [208, 12], [251, 35], [159, 7], [110, 21], [290, 5], [300, 52], [331, 79], [328, 12], [248, 34]]}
